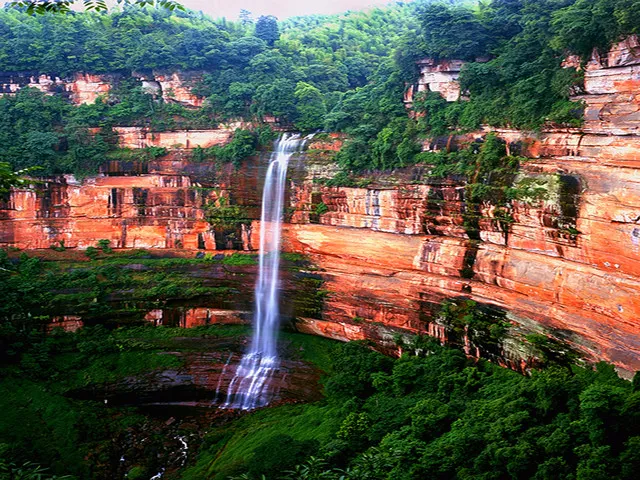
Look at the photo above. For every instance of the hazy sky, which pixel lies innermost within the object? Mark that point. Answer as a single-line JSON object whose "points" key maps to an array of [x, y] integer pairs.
{"points": [[280, 8]]}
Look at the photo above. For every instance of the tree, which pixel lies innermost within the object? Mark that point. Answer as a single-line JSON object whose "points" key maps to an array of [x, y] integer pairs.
{"points": [[276, 99], [586, 24], [245, 17], [267, 29], [310, 107], [453, 32], [9, 178]]}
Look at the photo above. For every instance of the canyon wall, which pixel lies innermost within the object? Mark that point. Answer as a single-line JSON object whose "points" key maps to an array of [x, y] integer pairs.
{"points": [[150, 211], [146, 204], [387, 255], [567, 267]]}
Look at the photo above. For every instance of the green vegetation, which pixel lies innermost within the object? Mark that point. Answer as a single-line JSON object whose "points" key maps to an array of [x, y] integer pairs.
{"points": [[243, 144], [34, 290], [490, 177], [435, 414], [137, 155], [9, 178], [523, 85], [42, 7], [240, 259], [45, 426], [228, 222], [47, 422], [47, 132], [340, 72], [226, 217], [483, 327], [513, 76], [319, 208], [296, 70]]}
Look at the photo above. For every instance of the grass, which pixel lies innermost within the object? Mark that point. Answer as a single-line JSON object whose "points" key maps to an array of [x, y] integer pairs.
{"points": [[232, 447], [311, 349], [150, 333], [240, 259], [40, 422], [113, 367]]}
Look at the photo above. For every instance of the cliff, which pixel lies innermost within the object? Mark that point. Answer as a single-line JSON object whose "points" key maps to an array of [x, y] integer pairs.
{"points": [[86, 88], [389, 254], [154, 204], [567, 267]]}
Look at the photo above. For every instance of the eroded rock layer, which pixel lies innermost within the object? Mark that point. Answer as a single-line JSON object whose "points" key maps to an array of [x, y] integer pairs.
{"points": [[389, 254], [567, 266], [156, 204], [86, 88]]}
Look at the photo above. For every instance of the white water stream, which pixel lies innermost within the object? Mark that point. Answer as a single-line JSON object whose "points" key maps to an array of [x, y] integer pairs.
{"points": [[249, 388]]}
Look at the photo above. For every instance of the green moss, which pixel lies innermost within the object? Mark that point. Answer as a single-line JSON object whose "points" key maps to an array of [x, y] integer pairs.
{"points": [[293, 257], [231, 453], [319, 208], [223, 216], [240, 259], [308, 300]]}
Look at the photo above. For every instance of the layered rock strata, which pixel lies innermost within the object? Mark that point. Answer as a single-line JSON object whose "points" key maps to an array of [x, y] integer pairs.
{"points": [[86, 88], [388, 255], [567, 267], [155, 204]]}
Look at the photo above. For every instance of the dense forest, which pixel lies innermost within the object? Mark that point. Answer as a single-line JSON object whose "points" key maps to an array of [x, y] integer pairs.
{"points": [[342, 73], [433, 413]]}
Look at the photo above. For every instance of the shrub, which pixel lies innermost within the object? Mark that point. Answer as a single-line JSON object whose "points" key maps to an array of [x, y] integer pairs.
{"points": [[91, 252], [105, 245]]}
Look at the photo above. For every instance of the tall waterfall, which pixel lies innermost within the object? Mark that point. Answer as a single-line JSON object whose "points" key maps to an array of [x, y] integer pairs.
{"points": [[249, 388]]}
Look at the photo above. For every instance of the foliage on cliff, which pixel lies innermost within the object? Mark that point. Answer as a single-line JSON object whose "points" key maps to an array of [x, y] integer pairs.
{"points": [[339, 72], [513, 76], [520, 81], [296, 71], [34, 290]]}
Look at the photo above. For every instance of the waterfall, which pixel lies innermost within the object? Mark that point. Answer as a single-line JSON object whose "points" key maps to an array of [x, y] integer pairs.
{"points": [[249, 388]]}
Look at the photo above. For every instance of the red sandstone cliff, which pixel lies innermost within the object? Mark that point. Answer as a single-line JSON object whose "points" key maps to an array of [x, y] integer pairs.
{"points": [[390, 253], [569, 266], [176, 87], [156, 204]]}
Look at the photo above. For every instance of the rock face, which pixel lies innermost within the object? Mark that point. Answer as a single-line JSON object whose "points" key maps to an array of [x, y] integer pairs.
{"points": [[85, 88], [82, 88], [173, 87], [439, 76], [150, 211], [156, 204], [140, 137], [567, 267], [611, 90], [388, 255]]}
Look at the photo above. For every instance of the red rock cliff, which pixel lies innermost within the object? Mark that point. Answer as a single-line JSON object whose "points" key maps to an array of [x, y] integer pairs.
{"points": [[568, 267], [156, 204], [391, 253], [173, 87]]}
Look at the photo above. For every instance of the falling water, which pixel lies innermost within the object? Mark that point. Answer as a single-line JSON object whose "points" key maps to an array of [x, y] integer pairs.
{"points": [[250, 386]]}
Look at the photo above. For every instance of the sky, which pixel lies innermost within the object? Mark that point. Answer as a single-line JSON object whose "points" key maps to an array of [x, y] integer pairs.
{"points": [[280, 8]]}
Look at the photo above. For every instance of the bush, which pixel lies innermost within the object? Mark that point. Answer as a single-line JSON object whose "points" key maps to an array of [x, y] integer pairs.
{"points": [[91, 252], [278, 454], [105, 245]]}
